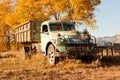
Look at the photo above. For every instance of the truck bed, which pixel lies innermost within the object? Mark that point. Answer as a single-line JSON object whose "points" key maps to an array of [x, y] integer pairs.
{"points": [[28, 31]]}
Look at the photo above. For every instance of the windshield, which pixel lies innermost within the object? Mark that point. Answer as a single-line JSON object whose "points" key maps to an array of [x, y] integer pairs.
{"points": [[61, 26], [68, 27], [55, 26]]}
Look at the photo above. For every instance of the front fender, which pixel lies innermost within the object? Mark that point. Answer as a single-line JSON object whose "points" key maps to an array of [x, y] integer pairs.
{"points": [[59, 48]]}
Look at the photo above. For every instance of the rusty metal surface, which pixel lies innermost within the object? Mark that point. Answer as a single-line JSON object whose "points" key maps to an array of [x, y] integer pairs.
{"points": [[80, 44]]}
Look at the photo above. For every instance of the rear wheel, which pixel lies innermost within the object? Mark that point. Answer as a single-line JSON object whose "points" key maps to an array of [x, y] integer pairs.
{"points": [[51, 54]]}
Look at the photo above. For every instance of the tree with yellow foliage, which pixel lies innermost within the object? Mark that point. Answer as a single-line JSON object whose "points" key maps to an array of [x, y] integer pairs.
{"points": [[4, 28], [79, 11], [54, 8], [26, 10]]}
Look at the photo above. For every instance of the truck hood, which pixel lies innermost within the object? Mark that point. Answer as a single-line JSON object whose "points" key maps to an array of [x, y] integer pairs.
{"points": [[64, 33], [68, 35]]}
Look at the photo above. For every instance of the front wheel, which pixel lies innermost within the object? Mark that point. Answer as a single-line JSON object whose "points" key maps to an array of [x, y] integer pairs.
{"points": [[51, 54]]}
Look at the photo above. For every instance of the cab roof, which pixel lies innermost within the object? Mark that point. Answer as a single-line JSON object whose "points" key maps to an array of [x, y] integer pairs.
{"points": [[56, 21]]}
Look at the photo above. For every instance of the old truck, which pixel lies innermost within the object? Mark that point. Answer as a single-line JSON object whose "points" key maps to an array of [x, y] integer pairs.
{"points": [[56, 39]]}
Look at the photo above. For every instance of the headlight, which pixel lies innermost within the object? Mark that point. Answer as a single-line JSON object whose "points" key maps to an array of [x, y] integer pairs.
{"points": [[60, 38]]}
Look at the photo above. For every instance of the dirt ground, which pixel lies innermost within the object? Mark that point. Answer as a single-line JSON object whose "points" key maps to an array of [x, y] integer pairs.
{"points": [[37, 68]]}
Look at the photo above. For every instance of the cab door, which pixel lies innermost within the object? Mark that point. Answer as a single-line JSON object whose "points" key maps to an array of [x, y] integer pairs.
{"points": [[44, 37]]}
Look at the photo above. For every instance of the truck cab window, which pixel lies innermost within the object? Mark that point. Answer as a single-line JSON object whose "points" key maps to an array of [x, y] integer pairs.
{"points": [[45, 28], [56, 26], [68, 27]]}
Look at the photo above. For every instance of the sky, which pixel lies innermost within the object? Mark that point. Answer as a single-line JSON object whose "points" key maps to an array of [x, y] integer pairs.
{"points": [[108, 18]]}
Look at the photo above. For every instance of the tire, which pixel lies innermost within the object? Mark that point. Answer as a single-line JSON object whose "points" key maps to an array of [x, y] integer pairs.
{"points": [[51, 54]]}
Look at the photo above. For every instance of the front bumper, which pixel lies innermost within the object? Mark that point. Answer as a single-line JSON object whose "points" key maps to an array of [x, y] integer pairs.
{"points": [[81, 49], [78, 49]]}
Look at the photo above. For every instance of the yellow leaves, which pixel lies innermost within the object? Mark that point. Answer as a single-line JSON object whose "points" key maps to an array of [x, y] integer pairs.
{"points": [[83, 11], [59, 5], [90, 23], [4, 6], [56, 8], [30, 10], [41, 10], [4, 10], [10, 20], [96, 2], [75, 10]]}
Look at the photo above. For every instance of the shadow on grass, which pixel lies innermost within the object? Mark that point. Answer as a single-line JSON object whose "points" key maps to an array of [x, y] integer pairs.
{"points": [[104, 61], [110, 61]]}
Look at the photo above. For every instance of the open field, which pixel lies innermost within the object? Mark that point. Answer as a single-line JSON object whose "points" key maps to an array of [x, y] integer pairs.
{"points": [[37, 68]]}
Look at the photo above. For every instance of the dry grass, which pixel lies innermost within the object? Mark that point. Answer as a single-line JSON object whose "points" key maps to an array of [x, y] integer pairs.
{"points": [[37, 68]]}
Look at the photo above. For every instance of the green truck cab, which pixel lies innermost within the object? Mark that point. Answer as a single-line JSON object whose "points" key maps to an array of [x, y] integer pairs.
{"points": [[60, 38], [54, 36]]}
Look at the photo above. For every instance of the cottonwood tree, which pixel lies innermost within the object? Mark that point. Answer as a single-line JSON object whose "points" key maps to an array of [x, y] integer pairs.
{"points": [[26, 10], [79, 11], [54, 8], [4, 28]]}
